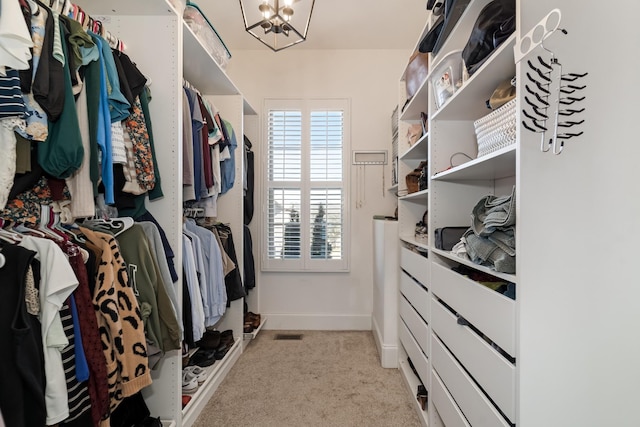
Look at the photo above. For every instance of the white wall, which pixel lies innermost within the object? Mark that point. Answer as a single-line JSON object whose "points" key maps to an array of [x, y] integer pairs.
{"points": [[369, 78]]}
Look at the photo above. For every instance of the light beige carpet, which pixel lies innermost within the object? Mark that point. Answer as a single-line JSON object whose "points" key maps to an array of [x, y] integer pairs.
{"points": [[326, 379]]}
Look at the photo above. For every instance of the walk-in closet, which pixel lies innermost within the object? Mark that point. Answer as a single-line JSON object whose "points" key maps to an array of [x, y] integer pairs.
{"points": [[300, 212]]}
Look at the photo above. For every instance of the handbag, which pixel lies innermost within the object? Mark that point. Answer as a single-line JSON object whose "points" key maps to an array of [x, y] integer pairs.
{"points": [[445, 238], [505, 92], [413, 179], [494, 25], [416, 73], [414, 133], [440, 30]]}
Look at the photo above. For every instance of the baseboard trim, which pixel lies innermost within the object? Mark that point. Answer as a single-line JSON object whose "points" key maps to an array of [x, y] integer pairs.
{"points": [[388, 353], [318, 322]]}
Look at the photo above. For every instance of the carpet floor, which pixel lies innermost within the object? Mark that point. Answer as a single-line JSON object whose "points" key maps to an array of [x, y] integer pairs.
{"points": [[328, 378]]}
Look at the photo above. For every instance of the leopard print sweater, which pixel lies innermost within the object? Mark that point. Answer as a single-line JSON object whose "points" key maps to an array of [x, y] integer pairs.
{"points": [[119, 322]]}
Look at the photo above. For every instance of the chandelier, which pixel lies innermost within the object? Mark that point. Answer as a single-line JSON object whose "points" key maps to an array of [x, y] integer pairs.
{"points": [[278, 24]]}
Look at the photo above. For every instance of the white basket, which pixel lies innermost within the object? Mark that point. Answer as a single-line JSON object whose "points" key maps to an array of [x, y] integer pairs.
{"points": [[497, 129]]}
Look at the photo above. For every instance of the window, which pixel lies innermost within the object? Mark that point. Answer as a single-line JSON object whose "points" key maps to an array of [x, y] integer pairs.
{"points": [[306, 185]]}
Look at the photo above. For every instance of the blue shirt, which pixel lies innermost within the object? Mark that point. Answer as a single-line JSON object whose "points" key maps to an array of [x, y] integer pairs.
{"points": [[104, 128], [228, 167]]}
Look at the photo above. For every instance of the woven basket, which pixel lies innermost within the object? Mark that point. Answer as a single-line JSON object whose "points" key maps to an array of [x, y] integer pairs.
{"points": [[497, 129]]}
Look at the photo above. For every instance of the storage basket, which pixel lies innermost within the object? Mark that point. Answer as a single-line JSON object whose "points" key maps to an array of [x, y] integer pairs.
{"points": [[208, 36], [497, 129]]}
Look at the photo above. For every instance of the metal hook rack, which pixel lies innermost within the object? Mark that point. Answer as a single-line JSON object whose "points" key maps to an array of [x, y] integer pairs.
{"points": [[549, 90]]}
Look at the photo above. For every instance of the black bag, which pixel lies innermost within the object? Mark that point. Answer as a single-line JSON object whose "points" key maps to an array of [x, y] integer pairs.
{"points": [[441, 28], [447, 237], [494, 25]]}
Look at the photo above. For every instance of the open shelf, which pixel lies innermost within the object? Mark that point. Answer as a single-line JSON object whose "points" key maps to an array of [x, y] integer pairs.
{"points": [[496, 165], [468, 102], [418, 104], [418, 196], [468, 263], [251, 335], [393, 188], [412, 240], [203, 71], [419, 150], [215, 375], [412, 382]]}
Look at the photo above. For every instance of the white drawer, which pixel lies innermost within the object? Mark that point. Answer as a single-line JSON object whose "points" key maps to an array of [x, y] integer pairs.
{"points": [[495, 374], [492, 313], [443, 402], [416, 324], [416, 265], [419, 360], [416, 294], [475, 406]]}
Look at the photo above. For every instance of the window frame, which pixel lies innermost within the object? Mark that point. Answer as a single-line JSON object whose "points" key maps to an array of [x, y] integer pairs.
{"points": [[305, 263]]}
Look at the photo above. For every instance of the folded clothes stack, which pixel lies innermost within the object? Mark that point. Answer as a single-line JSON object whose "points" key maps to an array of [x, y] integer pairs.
{"points": [[491, 241]]}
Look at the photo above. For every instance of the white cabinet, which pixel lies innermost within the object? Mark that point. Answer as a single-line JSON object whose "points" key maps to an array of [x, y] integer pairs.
{"points": [[561, 351], [167, 52]]}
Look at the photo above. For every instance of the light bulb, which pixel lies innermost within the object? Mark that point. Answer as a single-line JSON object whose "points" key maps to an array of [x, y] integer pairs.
{"points": [[288, 3]]}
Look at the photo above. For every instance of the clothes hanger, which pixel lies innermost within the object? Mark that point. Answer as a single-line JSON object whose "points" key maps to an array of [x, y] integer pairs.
{"points": [[44, 221], [115, 226]]}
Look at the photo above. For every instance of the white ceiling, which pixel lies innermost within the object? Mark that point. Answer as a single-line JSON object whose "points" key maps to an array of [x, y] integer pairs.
{"points": [[335, 24]]}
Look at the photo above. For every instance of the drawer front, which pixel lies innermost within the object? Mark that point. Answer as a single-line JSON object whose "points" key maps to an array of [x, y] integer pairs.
{"points": [[416, 325], [494, 373], [416, 294], [416, 265], [475, 406], [419, 360], [447, 409], [493, 314]]}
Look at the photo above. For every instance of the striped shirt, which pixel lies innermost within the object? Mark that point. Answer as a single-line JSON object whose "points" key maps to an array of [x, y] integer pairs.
{"points": [[11, 102]]}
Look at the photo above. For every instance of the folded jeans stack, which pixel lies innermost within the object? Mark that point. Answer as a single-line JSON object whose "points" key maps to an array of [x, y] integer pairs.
{"points": [[491, 239]]}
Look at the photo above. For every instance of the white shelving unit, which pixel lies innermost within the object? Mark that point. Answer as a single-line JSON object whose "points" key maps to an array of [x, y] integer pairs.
{"points": [[530, 361], [167, 51]]}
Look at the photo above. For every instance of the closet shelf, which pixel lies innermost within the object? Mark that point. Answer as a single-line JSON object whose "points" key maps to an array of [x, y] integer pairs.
{"points": [[508, 277], [251, 335], [215, 375], [417, 151], [412, 240], [126, 7], [417, 197], [393, 188], [496, 165], [468, 103], [202, 71], [412, 382]]}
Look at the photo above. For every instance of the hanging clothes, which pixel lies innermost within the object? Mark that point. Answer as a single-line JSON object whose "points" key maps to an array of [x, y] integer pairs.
{"points": [[21, 364]]}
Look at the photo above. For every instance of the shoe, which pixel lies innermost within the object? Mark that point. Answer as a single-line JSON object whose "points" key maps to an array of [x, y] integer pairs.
{"points": [[203, 358], [252, 318], [226, 342], [185, 400], [189, 382], [210, 340], [198, 372], [422, 397], [248, 327]]}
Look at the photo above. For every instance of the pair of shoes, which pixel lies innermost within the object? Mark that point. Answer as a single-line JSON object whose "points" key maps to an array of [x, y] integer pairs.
{"points": [[210, 340], [226, 342], [203, 358], [422, 397], [253, 319], [198, 372], [189, 382]]}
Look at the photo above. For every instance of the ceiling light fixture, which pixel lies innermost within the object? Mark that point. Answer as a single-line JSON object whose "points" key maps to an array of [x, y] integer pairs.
{"points": [[275, 23]]}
